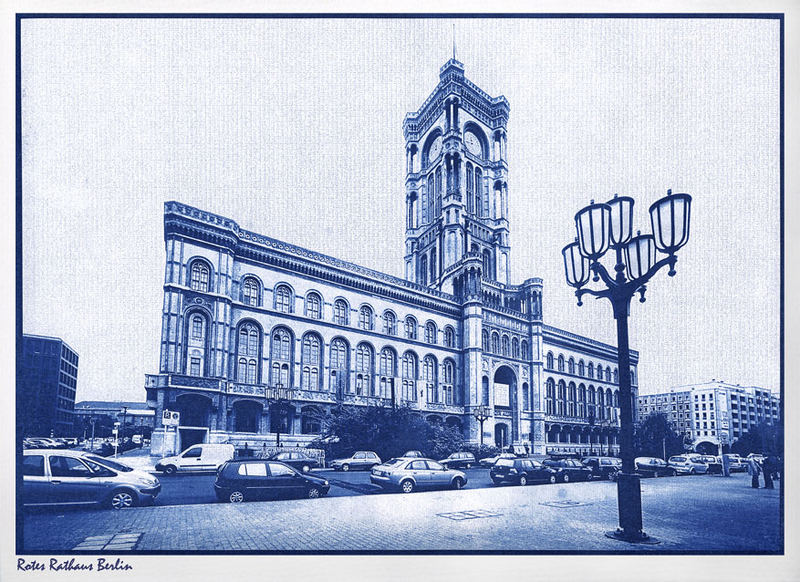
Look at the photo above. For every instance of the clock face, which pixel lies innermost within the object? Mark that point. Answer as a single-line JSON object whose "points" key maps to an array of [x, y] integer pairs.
{"points": [[473, 143], [435, 149]]}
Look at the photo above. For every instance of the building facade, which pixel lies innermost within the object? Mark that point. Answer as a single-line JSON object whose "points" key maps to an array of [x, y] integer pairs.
{"points": [[136, 415], [261, 337], [714, 412], [46, 384]]}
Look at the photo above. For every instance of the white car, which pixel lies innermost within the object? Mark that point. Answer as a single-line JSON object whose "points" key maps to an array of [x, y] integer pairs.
{"points": [[688, 464]]}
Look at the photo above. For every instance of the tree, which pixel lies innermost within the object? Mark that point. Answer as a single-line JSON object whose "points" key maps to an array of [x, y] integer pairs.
{"points": [[762, 438], [656, 437]]}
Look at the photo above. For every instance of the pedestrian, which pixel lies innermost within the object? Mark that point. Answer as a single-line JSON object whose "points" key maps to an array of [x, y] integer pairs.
{"points": [[753, 469], [768, 468]]}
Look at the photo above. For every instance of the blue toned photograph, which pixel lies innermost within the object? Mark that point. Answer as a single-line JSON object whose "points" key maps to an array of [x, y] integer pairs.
{"points": [[421, 284]]}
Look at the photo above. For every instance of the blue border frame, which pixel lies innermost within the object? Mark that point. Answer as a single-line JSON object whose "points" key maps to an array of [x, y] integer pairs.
{"points": [[780, 16]]}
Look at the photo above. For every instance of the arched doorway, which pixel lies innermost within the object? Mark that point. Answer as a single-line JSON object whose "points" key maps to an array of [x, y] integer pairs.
{"points": [[195, 419], [706, 448], [246, 414], [506, 400], [280, 418]]}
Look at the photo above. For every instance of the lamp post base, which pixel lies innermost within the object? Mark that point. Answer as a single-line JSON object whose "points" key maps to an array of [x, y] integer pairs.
{"points": [[632, 538]]}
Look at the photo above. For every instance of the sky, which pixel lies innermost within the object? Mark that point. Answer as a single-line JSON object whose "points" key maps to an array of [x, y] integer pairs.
{"points": [[293, 128]]}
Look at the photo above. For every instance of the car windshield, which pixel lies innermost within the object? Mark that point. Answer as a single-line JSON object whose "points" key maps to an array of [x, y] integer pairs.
{"points": [[393, 462], [505, 462], [110, 464]]}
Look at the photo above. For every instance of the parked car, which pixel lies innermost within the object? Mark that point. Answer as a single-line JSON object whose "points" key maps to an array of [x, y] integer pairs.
{"points": [[758, 457], [489, 461], [413, 454], [713, 463], [736, 463], [53, 477], [297, 460], [688, 464], [603, 467], [521, 472], [202, 457], [569, 469], [409, 474], [253, 479], [461, 460], [653, 467], [358, 460]]}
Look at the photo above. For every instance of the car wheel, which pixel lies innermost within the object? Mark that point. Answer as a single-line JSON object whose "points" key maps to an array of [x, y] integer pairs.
{"points": [[458, 483], [523, 480], [407, 486], [692, 471], [565, 478], [553, 479], [170, 470], [306, 468], [673, 473], [122, 499], [496, 481], [345, 467], [236, 497], [313, 493]]}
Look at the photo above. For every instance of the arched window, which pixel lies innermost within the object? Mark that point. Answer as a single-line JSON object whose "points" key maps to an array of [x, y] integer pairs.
{"points": [[364, 369], [429, 378], [449, 380], [196, 344], [411, 328], [200, 276], [601, 404], [581, 368], [515, 349], [433, 267], [485, 340], [387, 371], [616, 376], [365, 317], [590, 372], [488, 272], [599, 369], [314, 305], [506, 345], [616, 398], [550, 396], [449, 337], [479, 207], [571, 365], [549, 360], [582, 401], [608, 374], [426, 196], [572, 398], [281, 358], [283, 299], [409, 377], [485, 391], [247, 352], [526, 354], [438, 200], [561, 403], [340, 367], [430, 332], [251, 291], [423, 270], [526, 401], [609, 404], [495, 342], [560, 363], [312, 362], [389, 323], [590, 408], [341, 312], [470, 189]]}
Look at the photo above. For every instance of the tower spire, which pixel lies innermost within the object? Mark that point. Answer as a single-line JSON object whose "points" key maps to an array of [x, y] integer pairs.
{"points": [[454, 41]]}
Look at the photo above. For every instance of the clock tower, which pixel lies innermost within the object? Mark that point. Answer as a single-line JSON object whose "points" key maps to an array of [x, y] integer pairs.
{"points": [[456, 183]]}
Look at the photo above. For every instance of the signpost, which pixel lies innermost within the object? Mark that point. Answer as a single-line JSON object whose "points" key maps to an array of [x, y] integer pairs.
{"points": [[115, 432]]}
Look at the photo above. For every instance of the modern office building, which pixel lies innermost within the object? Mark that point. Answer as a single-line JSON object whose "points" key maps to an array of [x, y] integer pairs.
{"points": [[46, 382], [135, 415], [261, 337], [713, 412]]}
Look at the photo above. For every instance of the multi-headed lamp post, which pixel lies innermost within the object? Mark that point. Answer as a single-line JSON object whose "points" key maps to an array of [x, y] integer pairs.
{"points": [[610, 225]]}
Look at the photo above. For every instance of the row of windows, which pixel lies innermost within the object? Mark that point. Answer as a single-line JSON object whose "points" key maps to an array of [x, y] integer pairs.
{"points": [[577, 401], [583, 369], [284, 302], [368, 381], [504, 345]]}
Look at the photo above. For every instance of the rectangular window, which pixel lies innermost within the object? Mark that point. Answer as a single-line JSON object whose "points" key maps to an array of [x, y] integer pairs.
{"points": [[194, 367]]}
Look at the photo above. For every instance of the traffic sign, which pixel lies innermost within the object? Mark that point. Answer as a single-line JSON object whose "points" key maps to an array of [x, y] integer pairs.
{"points": [[170, 418]]}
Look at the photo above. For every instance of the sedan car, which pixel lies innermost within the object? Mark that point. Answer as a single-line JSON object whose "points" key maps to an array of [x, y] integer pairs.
{"points": [[653, 467], [688, 465], [359, 460], [297, 460], [462, 460], [409, 474], [56, 477], [252, 479], [521, 472], [603, 467], [569, 469], [489, 461], [413, 454]]}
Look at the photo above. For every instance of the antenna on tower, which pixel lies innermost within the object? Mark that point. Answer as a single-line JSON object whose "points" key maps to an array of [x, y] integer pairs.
{"points": [[454, 41]]}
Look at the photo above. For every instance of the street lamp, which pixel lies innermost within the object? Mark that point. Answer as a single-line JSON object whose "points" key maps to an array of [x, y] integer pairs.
{"points": [[279, 398], [610, 225], [124, 414], [482, 414]]}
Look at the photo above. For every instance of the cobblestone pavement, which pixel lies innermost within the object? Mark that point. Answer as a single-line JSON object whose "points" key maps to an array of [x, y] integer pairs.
{"points": [[700, 513]]}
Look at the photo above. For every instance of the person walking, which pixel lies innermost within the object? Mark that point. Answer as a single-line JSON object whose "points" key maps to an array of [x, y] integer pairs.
{"points": [[768, 468], [753, 469]]}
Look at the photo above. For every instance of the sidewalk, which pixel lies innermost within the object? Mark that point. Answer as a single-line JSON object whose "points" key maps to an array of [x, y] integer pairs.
{"points": [[702, 513]]}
